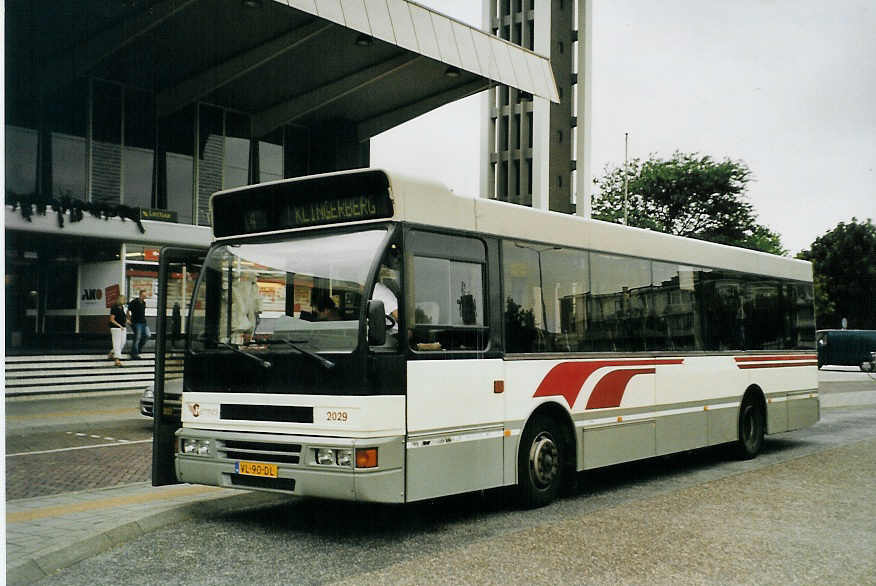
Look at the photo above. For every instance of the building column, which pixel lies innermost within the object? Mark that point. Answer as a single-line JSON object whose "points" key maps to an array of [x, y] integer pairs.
{"points": [[584, 109]]}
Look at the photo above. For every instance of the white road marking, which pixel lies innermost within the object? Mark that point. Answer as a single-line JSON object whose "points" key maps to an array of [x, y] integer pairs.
{"points": [[119, 443]]}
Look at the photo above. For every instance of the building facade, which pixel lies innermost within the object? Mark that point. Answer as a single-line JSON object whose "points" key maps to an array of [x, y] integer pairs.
{"points": [[122, 118], [535, 150]]}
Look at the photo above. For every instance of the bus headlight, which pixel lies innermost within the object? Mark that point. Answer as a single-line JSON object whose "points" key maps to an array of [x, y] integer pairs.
{"points": [[345, 458], [324, 456], [195, 447]]}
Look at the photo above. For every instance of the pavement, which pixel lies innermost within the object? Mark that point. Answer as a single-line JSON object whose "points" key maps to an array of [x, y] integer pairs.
{"points": [[45, 534]]}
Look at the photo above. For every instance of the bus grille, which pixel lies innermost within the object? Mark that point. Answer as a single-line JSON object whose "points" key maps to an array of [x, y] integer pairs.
{"points": [[260, 451]]}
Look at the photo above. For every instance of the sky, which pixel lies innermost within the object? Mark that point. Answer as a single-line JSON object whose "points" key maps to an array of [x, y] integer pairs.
{"points": [[787, 86]]}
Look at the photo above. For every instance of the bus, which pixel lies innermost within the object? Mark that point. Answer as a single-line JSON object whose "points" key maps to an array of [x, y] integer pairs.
{"points": [[367, 336]]}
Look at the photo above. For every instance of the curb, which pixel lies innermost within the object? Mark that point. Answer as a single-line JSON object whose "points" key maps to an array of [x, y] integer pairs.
{"points": [[46, 563]]}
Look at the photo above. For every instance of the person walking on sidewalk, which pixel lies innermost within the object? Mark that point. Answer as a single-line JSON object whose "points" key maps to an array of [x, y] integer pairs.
{"points": [[118, 331], [137, 317]]}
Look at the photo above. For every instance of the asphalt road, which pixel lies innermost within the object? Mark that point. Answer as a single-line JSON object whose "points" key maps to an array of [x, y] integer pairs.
{"points": [[802, 512]]}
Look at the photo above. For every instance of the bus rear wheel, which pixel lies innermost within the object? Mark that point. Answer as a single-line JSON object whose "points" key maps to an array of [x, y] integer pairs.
{"points": [[751, 429], [540, 462]]}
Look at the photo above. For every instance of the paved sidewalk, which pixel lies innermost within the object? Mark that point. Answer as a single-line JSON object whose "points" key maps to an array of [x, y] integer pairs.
{"points": [[48, 533]]}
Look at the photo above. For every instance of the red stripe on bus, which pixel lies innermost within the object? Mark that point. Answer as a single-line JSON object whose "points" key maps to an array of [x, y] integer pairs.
{"points": [[610, 389], [742, 366], [567, 378], [768, 358]]}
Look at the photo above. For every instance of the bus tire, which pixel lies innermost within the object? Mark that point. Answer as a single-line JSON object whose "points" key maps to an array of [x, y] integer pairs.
{"points": [[540, 462], [751, 428]]}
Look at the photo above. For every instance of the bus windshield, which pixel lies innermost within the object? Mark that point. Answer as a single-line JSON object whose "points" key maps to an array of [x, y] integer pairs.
{"points": [[305, 292]]}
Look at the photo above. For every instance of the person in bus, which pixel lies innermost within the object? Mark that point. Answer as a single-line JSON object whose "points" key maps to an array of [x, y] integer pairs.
{"points": [[324, 308]]}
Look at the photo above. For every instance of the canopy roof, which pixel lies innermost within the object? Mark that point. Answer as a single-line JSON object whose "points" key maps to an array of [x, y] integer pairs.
{"points": [[374, 63]]}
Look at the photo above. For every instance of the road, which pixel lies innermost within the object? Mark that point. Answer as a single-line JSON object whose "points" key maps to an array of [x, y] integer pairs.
{"points": [[801, 512], [70, 443]]}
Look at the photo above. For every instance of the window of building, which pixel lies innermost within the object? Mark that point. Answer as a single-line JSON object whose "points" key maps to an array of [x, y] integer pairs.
{"points": [[176, 148], [138, 151], [211, 142], [236, 156], [66, 116], [106, 143], [21, 160]]}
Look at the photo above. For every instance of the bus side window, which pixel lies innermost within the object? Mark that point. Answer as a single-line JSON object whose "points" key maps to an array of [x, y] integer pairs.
{"points": [[449, 307]]}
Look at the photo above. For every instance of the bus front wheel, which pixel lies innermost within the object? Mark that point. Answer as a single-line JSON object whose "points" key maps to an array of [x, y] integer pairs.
{"points": [[540, 462], [751, 429]]}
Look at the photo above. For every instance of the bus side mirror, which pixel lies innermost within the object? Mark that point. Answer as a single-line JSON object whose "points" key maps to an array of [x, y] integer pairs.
{"points": [[376, 323]]}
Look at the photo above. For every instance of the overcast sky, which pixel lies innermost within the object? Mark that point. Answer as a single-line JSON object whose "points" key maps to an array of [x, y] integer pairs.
{"points": [[788, 87]]}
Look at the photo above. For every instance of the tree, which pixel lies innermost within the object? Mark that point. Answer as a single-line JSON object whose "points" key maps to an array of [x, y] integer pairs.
{"points": [[687, 195], [844, 267]]}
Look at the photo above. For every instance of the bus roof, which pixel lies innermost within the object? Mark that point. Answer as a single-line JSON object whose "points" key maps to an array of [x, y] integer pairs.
{"points": [[431, 203]]}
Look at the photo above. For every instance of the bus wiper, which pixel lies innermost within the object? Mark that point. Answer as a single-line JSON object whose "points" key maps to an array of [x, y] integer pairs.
{"points": [[263, 363], [325, 363]]}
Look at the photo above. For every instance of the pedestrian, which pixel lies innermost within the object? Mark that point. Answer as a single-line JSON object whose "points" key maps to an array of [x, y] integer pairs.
{"points": [[137, 317], [118, 324]]}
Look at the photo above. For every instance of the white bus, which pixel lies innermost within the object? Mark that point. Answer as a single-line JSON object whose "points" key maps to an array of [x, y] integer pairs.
{"points": [[365, 336]]}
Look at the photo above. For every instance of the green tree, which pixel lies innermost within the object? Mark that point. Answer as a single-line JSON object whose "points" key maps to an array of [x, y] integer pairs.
{"points": [[687, 195], [844, 267]]}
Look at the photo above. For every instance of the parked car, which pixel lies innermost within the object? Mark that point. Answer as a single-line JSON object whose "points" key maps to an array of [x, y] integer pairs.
{"points": [[172, 398]]}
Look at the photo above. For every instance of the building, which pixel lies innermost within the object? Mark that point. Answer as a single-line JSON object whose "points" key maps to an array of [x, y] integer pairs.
{"points": [[534, 150], [126, 116]]}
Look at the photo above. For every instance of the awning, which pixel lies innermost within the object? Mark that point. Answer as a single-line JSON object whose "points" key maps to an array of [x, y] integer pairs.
{"points": [[373, 64], [435, 35]]}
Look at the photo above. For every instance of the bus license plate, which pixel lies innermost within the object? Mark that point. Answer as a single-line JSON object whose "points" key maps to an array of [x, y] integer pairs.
{"points": [[256, 469]]}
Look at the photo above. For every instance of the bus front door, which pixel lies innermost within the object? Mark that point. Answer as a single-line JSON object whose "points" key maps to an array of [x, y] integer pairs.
{"points": [[178, 270]]}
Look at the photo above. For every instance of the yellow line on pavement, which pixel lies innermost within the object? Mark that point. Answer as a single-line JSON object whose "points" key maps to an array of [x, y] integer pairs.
{"points": [[61, 510]]}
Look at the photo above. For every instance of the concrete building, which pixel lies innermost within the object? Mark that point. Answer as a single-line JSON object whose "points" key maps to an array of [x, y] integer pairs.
{"points": [[126, 116], [535, 150]]}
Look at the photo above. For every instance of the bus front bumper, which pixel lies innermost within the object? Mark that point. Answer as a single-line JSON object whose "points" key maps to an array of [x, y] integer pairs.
{"points": [[291, 465]]}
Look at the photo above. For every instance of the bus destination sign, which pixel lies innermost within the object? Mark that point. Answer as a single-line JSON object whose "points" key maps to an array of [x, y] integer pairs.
{"points": [[348, 209], [302, 203]]}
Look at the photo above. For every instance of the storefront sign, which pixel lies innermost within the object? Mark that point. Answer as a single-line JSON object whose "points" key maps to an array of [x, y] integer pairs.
{"points": [[111, 294], [98, 281], [159, 215]]}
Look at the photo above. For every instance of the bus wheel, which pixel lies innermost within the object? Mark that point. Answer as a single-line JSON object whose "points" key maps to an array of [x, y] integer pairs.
{"points": [[751, 429], [540, 460]]}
